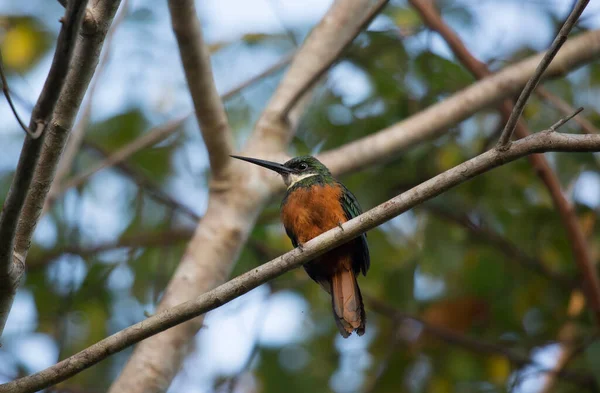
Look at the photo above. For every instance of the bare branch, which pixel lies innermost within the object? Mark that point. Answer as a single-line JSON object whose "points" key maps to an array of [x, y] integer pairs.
{"points": [[543, 170], [436, 119], [330, 36], [333, 57], [210, 112], [540, 142], [11, 268], [560, 39], [78, 132]]}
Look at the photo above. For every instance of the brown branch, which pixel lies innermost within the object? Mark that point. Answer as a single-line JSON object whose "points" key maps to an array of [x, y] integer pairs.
{"points": [[209, 108], [540, 142], [512, 252], [76, 136], [319, 51], [560, 39], [436, 119], [475, 345], [543, 170], [333, 57], [12, 267]]}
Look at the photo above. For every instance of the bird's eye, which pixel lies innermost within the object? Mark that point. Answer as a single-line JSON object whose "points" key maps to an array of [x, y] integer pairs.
{"points": [[302, 166]]}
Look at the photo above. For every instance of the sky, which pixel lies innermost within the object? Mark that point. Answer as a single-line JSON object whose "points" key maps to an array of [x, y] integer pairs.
{"points": [[231, 330]]}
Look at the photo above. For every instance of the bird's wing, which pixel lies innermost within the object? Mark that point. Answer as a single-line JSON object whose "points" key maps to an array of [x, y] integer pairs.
{"points": [[362, 260]]}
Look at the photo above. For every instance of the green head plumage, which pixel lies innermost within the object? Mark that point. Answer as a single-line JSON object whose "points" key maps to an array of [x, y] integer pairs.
{"points": [[299, 171]]}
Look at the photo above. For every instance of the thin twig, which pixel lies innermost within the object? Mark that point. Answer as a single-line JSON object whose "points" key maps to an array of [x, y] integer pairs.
{"points": [[540, 142], [335, 56], [565, 108], [7, 95], [535, 79]]}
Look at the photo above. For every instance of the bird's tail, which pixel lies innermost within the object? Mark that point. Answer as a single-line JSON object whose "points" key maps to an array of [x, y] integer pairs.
{"points": [[346, 300]]}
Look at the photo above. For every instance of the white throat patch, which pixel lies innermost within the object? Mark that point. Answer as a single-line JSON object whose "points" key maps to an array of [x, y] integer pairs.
{"points": [[292, 178]]}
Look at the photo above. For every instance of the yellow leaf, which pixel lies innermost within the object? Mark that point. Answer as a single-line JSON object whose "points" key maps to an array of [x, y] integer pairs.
{"points": [[23, 44], [18, 48]]}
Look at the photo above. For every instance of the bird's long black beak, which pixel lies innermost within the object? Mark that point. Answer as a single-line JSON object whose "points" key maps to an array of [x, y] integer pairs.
{"points": [[266, 164]]}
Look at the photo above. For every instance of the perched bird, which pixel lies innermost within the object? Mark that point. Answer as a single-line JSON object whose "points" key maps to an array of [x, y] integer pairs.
{"points": [[314, 203]]}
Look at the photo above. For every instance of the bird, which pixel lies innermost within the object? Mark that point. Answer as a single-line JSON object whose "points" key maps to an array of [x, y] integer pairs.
{"points": [[316, 202]]}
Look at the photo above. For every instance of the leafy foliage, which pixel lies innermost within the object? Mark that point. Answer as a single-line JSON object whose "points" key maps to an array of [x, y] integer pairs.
{"points": [[92, 269]]}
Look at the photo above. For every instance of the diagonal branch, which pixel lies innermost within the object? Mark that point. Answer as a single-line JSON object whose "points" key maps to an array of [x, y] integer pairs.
{"points": [[11, 268], [435, 120], [76, 136], [560, 39], [210, 111], [332, 57], [540, 142], [543, 170]]}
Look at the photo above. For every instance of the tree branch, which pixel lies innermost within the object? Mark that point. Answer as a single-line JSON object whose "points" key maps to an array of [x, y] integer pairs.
{"points": [[320, 50], [560, 39], [543, 170], [76, 136], [436, 119], [540, 142], [11, 268], [333, 57], [210, 112]]}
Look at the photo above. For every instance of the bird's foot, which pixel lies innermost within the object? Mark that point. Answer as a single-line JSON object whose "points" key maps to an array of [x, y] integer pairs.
{"points": [[340, 225], [301, 247]]}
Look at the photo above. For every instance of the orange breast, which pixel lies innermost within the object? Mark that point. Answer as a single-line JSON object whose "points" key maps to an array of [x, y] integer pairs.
{"points": [[310, 211]]}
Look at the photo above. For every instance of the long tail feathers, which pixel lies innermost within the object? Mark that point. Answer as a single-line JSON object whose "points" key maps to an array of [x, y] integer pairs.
{"points": [[346, 300]]}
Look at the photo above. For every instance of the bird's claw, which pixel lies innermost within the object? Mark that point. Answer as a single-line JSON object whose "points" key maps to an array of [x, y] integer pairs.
{"points": [[301, 247], [340, 225]]}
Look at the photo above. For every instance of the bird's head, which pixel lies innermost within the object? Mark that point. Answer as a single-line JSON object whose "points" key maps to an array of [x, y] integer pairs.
{"points": [[294, 170]]}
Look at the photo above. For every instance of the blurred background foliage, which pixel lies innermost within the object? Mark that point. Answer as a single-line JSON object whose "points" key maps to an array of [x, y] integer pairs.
{"points": [[487, 262]]}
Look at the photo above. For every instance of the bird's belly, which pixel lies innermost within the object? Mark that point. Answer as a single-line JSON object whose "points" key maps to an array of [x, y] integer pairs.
{"points": [[310, 211], [307, 213]]}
